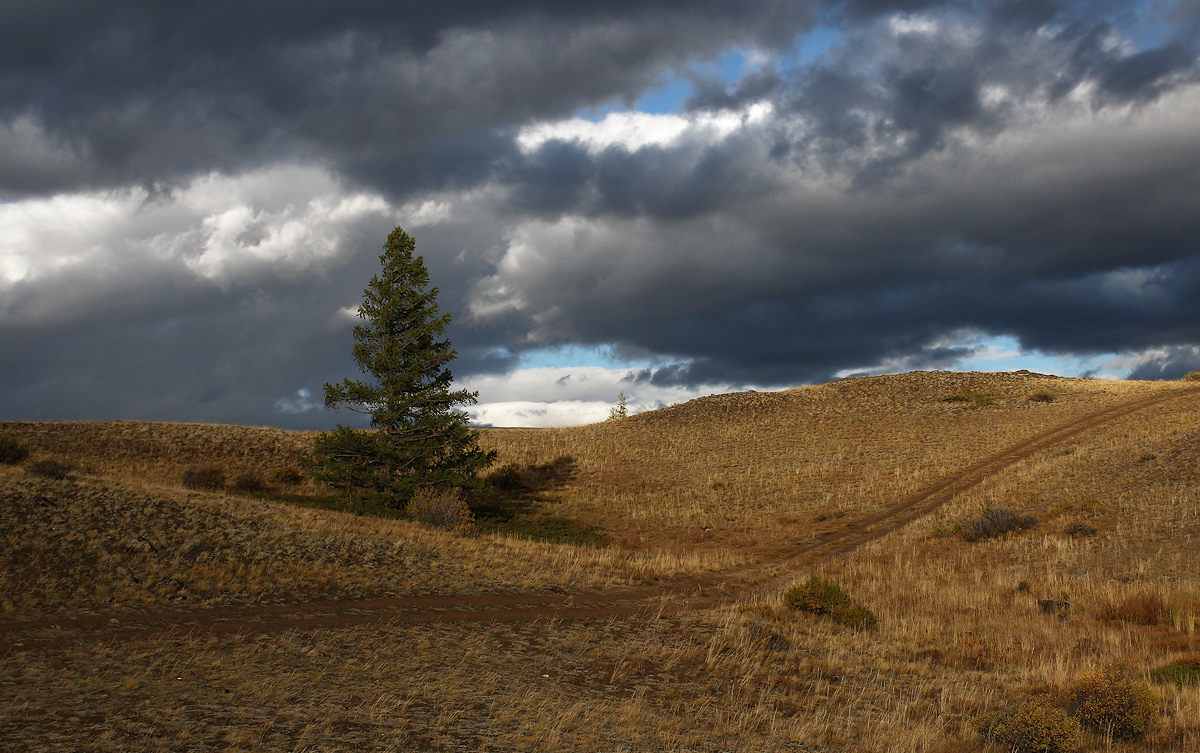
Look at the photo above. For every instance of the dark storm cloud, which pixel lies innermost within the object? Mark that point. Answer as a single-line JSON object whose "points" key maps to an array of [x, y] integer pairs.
{"points": [[197, 193], [404, 95], [931, 178]]}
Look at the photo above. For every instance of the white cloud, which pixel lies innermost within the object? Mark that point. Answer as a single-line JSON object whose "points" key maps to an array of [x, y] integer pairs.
{"points": [[551, 396], [218, 227], [635, 130]]}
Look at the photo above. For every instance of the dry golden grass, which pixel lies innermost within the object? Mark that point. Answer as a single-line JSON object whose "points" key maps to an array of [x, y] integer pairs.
{"points": [[961, 631]]}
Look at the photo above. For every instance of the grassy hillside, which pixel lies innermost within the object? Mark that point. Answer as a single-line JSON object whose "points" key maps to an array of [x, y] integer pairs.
{"points": [[715, 486]]}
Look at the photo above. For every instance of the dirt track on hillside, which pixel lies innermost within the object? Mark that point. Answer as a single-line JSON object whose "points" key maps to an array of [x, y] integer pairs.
{"points": [[673, 596]]}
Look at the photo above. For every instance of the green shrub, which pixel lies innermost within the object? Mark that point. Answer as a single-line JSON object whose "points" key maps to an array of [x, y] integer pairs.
{"points": [[249, 482], [204, 477], [1192, 376], [1113, 703], [54, 469], [1034, 726], [996, 520], [821, 596], [856, 617], [1183, 671], [12, 451], [441, 508]]}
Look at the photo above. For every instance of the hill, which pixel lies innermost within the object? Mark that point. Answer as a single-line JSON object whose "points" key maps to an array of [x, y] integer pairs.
{"points": [[696, 500]]}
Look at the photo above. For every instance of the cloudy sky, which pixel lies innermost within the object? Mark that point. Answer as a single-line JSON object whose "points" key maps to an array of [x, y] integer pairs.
{"points": [[657, 197]]}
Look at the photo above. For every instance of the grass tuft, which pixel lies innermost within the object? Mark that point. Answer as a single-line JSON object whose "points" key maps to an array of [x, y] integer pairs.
{"points": [[48, 468], [208, 477], [1184, 671]]}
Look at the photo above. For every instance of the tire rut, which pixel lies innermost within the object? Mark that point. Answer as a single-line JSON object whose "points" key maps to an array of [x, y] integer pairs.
{"points": [[677, 596]]}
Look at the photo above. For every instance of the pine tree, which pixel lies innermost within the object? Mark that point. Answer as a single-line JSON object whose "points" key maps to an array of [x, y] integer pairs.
{"points": [[419, 439]]}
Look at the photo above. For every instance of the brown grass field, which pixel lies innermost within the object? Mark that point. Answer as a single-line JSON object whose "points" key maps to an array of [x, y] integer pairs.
{"points": [[137, 615]]}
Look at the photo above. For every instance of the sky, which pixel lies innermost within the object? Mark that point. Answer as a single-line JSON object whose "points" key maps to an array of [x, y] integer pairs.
{"points": [[660, 198]]}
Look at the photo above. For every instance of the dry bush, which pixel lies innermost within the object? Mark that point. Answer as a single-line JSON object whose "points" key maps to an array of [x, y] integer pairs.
{"points": [[1192, 376], [1042, 396], [48, 468], [208, 477], [288, 475], [996, 520], [1142, 608], [1034, 726], [1114, 704], [1079, 528], [12, 452], [249, 482], [441, 508]]}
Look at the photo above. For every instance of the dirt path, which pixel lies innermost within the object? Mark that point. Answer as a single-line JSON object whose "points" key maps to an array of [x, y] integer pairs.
{"points": [[675, 596]]}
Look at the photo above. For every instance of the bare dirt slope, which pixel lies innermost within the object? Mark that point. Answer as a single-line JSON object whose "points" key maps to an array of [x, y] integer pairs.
{"points": [[960, 630]]}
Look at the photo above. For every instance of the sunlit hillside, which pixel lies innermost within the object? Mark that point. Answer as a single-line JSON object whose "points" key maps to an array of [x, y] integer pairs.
{"points": [[656, 632]]}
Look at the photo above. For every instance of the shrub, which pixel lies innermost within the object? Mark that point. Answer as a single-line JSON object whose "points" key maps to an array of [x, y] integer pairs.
{"points": [[1192, 376], [1034, 726], [1078, 528], [818, 595], [1182, 671], [204, 477], [12, 451], [49, 469], [972, 399], [856, 617], [506, 478], [821, 596], [441, 508], [996, 520], [1042, 396], [288, 475], [1143, 608], [1112, 703], [249, 482]]}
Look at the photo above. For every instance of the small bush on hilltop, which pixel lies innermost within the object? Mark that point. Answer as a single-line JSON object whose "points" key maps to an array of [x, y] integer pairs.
{"points": [[11, 451], [207, 477], [442, 508], [54, 469], [1035, 726], [996, 520], [1192, 376], [972, 399], [1113, 703], [821, 596]]}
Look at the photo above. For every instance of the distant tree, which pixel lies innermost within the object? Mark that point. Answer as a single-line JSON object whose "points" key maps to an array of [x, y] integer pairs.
{"points": [[621, 410], [419, 440]]}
